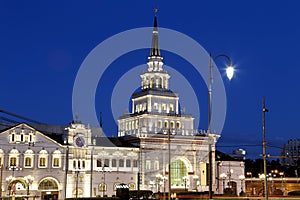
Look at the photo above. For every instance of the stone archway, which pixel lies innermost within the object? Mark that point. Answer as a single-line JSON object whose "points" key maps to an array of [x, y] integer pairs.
{"points": [[16, 186], [49, 188], [180, 169]]}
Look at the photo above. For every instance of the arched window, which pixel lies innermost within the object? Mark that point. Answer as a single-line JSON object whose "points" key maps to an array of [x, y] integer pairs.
{"points": [[48, 184], [128, 163], [28, 158], [114, 163], [56, 159], [121, 163], [14, 157], [179, 170], [43, 159]]}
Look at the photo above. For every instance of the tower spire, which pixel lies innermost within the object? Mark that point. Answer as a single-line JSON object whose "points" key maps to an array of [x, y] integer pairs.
{"points": [[155, 47]]}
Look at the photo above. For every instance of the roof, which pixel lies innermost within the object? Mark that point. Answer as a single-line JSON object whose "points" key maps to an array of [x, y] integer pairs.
{"points": [[220, 156]]}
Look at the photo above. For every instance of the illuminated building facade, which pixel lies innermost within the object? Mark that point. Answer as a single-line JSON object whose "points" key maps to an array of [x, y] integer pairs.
{"points": [[80, 163], [155, 114]]}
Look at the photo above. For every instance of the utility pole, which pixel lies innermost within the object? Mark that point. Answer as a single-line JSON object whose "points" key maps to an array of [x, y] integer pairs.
{"points": [[264, 145]]}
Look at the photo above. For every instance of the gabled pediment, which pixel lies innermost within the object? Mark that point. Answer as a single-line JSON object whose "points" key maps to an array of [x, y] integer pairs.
{"points": [[26, 135]]}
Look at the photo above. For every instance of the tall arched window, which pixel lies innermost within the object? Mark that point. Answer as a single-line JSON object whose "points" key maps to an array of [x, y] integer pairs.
{"points": [[28, 158], [178, 171], [43, 159], [56, 159]]}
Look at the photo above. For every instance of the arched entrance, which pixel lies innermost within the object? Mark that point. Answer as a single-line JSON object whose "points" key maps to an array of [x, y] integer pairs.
{"points": [[49, 189], [16, 187]]}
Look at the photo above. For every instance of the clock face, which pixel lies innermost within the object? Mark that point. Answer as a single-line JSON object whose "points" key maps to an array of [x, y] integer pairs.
{"points": [[79, 141]]}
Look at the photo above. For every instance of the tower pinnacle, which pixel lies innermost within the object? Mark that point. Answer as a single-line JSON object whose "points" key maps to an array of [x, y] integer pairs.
{"points": [[155, 47]]}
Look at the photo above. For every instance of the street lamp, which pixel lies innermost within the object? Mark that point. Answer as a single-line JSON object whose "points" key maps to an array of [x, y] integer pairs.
{"points": [[229, 72], [282, 184], [158, 179], [28, 179], [262, 177], [223, 176], [264, 145], [242, 178], [185, 178], [249, 174], [9, 180]]}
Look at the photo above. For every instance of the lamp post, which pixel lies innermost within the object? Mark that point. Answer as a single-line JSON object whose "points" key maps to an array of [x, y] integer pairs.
{"points": [[262, 178], [185, 178], [249, 174], [9, 181], [282, 184], [264, 145], [229, 72], [223, 177], [158, 179], [242, 178], [28, 179]]}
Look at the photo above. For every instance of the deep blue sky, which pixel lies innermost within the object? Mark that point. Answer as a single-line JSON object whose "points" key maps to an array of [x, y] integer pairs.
{"points": [[42, 45]]}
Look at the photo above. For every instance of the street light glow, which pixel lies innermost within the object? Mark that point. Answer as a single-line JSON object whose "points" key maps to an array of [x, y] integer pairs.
{"points": [[229, 72]]}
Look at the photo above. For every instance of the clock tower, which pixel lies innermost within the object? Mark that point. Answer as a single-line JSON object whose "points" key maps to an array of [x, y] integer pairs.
{"points": [[78, 134]]}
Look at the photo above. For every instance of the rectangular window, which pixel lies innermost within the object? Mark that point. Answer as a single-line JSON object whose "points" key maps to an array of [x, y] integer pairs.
{"points": [[13, 161], [83, 164], [99, 163], [42, 162], [55, 162], [171, 107], [27, 162], [156, 165], [135, 163], [128, 163], [114, 163], [148, 164], [106, 163], [121, 163]]}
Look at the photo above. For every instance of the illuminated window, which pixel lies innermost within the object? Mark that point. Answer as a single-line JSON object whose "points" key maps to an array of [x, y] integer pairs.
{"points": [[43, 159], [13, 161], [178, 125], [136, 124], [42, 162], [171, 107], [159, 124], [102, 187], [164, 107], [166, 124], [148, 164], [172, 124], [55, 162], [155, 106], [14, 157], [27, 162], [156, 165], [56, 159]]}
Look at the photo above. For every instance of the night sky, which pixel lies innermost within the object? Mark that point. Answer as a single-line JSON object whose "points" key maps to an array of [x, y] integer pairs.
{"points": [[43, 45]]}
